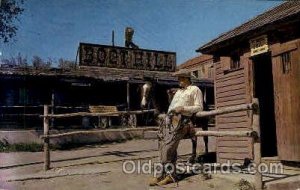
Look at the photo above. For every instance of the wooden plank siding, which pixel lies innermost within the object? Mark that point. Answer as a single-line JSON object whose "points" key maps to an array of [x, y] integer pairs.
{"points": [[287, 96], [253, 80], [231, 89]]}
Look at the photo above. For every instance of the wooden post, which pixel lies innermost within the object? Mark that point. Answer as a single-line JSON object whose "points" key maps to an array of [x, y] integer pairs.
{"points": [[52, 108], [99, 122], [113, 38], [109, 121], [46, 139], [258, 180], [128, 96]]}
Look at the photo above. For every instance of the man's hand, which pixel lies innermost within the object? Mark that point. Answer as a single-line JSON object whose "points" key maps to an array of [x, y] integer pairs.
{"points": [[179, 109]]}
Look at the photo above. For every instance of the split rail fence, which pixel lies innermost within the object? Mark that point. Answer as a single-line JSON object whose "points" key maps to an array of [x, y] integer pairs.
{"points": [[254, 133]]}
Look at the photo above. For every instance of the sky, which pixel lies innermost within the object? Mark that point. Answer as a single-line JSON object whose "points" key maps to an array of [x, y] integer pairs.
{"points": [[54, 28]]}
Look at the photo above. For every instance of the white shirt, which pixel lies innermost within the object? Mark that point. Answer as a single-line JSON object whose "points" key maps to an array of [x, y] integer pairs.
{"points": [[190, 98]]}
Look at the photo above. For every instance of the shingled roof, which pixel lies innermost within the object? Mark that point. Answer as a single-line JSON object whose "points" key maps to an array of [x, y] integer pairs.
{"points": [[201, 59], [97, 73], [276, 14]]}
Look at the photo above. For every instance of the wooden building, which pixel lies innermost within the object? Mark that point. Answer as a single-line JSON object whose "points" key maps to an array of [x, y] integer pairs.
{"points": [[260, 59], [106, 75], [201, 66]]}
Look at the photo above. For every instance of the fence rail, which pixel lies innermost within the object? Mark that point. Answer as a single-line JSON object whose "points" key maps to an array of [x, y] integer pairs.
{"points": [[254, 133], [85, 114], [97, 132], [41, 106]]}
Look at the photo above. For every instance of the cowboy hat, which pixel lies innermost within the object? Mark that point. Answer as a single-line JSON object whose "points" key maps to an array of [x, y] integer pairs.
{"points": [[183, 73]]}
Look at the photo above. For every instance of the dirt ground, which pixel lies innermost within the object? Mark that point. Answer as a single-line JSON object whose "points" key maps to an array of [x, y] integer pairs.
{"points": [[115, 179], [94, 167], [98, 167]]}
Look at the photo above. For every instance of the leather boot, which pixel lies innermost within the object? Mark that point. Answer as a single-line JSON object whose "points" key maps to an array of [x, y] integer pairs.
{"points": [[154, 180], [166, 181]]}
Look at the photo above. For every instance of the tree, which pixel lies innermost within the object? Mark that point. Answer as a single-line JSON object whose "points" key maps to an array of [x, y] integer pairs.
{"points": [[18, 61], [39, 63], [21, 61], [66, 64], [9, 12]]}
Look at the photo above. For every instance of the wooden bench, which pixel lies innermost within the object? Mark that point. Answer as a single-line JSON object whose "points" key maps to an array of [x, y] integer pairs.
{"points": [[105, 121]]}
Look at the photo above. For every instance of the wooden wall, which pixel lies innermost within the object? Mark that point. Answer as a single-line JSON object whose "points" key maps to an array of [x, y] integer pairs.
{"points": [[232, 88], [287, 100]]}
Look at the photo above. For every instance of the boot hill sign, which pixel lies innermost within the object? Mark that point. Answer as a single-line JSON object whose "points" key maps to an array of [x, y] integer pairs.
{"points": [[126, 58]]}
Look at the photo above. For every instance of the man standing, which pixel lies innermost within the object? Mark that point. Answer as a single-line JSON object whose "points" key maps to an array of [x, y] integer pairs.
{"points": [[186, 101]]}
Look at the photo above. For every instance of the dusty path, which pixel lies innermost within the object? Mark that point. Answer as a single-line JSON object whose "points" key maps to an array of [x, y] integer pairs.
{"points": [[97, 167], [100, 167]]}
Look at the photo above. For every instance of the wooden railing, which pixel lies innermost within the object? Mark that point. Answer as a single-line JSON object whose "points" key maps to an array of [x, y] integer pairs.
{"points": [[254, 133], [47, 117]]}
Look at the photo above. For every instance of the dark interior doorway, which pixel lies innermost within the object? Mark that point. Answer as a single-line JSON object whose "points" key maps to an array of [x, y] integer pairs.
{"points": [[264, 91]]}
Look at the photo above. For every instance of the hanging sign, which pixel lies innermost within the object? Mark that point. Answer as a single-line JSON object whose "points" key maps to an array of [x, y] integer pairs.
{"points": [[126, 58], [259, 45]]}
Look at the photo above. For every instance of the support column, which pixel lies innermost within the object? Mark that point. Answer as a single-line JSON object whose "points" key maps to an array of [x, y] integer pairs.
{"points": [[46, 139], [257, 146], [52, 107], [128, 95]]}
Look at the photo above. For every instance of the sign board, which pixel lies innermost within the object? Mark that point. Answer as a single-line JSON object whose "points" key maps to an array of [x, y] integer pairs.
{"points": [[259, 45], [126, 58]]}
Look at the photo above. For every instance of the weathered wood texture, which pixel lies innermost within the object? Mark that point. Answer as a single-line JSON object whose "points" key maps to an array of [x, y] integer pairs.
{"points": [[82, 114], [129, 58], [258, 180], [231, 90], [279, 14], [287, 101], [225, 133], [46, 140], [228, 110], [97, 132], [233, 87], [103, 73]]}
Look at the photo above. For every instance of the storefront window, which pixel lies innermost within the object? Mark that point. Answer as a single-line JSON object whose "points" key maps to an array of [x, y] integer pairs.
{"points": [[235, 62]]}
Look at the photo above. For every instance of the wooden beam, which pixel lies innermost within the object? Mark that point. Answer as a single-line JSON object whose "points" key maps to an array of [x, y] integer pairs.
{"points": [[226, 110], [96, 114], [41, 106], [99, 131], [226, 133]]}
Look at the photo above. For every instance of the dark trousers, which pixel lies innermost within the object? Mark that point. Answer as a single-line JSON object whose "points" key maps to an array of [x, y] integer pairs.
{"points": [[169, 136]]}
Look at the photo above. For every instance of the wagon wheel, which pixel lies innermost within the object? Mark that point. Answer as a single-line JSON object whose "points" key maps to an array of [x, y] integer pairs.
{"points": [[132, 121], [103, 122]]}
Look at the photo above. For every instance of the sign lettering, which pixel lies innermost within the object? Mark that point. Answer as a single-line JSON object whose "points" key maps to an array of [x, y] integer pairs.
{"points": [[126, 58], [259, 45]]}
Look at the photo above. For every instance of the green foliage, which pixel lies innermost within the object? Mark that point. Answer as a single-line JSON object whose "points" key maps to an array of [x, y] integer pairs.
{"points": [[31, 147], [9, 12], [244, 185]]}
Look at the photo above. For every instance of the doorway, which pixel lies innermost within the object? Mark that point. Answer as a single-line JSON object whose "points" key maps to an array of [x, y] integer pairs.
{"points": [[264, 91]]}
